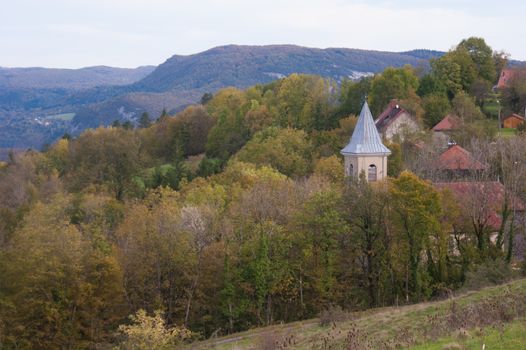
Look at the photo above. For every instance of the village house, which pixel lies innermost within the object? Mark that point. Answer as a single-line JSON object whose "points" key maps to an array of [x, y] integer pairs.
{"points": [[395, 120], [458, 163], [484, 203], [506, 77], [365, 152], [442, 132], [512, 121]]}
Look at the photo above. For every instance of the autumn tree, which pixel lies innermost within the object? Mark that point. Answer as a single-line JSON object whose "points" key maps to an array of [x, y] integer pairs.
{"points": [[230, 132], [151, 332], [322, 224], [66, 291], [304, 102], [353, 94], [416, 212], [287, 150], [482, 56], [366, 211], [436, 108], [392, 83], [105, 157]]}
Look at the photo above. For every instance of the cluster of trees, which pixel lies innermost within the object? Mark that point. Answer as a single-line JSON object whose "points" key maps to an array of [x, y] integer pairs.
{"points": [[234, 214], [460, 82]]}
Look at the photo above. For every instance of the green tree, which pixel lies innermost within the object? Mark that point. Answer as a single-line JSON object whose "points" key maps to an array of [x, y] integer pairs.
{"points": [[392, 83], [464, 106], [65, 293], [286, 150], [436, 107], [430, 84], [416, 211], [304, 102], [144, 120], [207, 97], [395, 162], [352, 95], [105, 157], [482, 56], [321, 222], [230, 131], [366, 209]]}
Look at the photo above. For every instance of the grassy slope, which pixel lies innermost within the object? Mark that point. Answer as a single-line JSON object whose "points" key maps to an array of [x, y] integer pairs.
{"points": [[510, 337], [398, 326]]}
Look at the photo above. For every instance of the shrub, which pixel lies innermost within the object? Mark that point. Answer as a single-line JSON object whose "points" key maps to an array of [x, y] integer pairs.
{"points": [[489, 273], [332, 315]]}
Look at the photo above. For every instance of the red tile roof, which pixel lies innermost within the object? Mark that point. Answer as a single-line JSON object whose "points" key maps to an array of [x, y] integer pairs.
{"points": [[505, 78], [457, 158], [450, 122], [514, 115], [487, 198], [390, 113]]}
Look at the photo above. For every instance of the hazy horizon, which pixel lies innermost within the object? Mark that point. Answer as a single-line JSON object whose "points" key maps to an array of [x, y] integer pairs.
{"points": [[195, 53], [133, 33]]}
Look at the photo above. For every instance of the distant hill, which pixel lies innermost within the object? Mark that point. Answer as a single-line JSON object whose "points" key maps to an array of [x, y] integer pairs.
{"points": [[31, 98], [182, 80], [83, 78], [244, 66]]}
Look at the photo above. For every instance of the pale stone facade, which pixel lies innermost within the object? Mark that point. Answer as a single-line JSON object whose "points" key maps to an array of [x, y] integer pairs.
{"points": [[355, 165], [403, 123]]}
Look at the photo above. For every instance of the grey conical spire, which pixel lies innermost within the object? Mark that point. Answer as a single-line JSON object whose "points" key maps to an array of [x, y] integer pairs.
{"points": [[365, 138]]}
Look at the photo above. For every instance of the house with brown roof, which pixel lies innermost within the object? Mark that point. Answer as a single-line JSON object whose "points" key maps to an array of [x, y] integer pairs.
{"points": [[506, 77], [483, 202], [512, 121], [449, 123], [443, 130], [394, 120], [456, 162], [483, 205]]}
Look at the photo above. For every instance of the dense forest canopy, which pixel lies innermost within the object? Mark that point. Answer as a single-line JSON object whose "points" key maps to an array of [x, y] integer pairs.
{"points": [[235, 213]]}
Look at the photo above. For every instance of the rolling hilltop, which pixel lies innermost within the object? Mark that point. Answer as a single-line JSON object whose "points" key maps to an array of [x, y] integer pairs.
{"points": [[243, 66], [49, 78], [34, 101]]}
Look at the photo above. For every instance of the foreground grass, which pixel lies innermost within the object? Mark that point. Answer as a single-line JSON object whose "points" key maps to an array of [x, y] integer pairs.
{"points": [[508, 337], [508, 132], [392, 327]]}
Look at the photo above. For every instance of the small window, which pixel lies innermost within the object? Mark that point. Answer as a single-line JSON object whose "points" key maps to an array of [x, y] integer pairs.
{"points": [[371, 173], [351, 170]]}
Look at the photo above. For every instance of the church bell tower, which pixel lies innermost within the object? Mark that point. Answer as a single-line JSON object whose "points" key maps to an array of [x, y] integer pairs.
{"points": [[365, 152]]}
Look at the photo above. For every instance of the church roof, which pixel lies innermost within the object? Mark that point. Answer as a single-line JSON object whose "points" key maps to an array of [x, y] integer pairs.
{"points": [[365, 138]]}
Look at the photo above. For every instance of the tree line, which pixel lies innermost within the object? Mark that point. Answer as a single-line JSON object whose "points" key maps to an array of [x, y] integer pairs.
{"points": [[234, 213]]}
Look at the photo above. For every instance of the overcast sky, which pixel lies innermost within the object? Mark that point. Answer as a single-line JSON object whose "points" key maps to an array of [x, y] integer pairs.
{"points": [[131, 33]]}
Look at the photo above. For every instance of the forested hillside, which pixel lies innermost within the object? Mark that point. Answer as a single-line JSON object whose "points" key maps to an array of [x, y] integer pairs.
{"points": [[53, 78], [234, 213], [31, 98]]}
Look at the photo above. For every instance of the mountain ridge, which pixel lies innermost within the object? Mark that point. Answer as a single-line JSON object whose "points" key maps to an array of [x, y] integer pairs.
{"points": [[33, 101], [81, 78]]}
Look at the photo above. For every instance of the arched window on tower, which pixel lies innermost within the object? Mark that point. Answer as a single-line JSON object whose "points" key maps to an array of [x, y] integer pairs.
{"points": [[351, 170], [371, 173]]}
